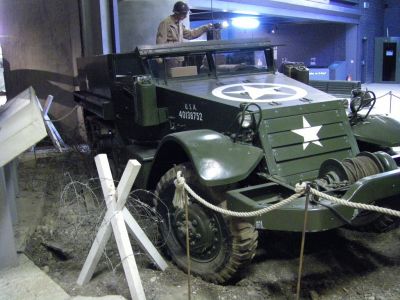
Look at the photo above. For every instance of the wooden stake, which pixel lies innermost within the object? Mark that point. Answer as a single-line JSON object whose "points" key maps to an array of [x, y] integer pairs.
{"points": [[51, 130], [115, 218]]}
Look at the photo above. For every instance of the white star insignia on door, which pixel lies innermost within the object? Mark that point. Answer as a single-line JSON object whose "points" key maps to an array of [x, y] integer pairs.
{"points": [[309, 133]]}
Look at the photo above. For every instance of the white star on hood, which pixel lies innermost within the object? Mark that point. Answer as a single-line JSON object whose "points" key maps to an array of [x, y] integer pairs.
{"points": [[256, 93], [309, 133]]}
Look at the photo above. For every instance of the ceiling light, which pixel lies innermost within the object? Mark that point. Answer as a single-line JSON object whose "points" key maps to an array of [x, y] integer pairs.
{"points": [[225, 24], [246, 12], [245, 22]]}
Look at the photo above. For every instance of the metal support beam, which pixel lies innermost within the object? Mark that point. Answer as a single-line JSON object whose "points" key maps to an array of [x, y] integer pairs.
{"points": [[353, 56], [99, 27], [105, 24], [114, 23]]}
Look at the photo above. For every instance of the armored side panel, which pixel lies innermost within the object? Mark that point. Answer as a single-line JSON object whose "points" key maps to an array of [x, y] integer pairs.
{"points": [[107, 90], [100, 74], [338, 88], [95, 75]]}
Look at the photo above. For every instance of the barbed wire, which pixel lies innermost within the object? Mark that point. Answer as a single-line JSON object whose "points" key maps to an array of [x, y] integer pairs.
{"points": [[81, 202], [64, 116]]}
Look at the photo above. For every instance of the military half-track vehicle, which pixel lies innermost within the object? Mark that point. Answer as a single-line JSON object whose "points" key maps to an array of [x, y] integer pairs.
{"points": [[243, 135]]}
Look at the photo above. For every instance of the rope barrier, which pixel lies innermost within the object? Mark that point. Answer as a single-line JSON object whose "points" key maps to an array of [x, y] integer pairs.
{"points": [[180, 196], [384, 95], [181, 201], [395, 96], [363, 206], [388, 93], [182, 187]]}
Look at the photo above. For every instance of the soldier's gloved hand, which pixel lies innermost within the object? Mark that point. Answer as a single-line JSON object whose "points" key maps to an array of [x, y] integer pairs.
{"points": [[209, 26]]}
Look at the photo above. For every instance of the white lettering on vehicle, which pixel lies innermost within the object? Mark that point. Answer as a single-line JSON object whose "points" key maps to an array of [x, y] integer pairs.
{"points": [[191, 115]]}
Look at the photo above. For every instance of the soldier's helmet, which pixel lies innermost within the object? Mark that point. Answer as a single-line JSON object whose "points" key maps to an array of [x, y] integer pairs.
{"points": [[181, 8]]}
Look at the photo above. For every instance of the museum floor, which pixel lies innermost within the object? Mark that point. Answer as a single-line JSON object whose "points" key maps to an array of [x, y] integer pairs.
{"points": [[388, 97]]}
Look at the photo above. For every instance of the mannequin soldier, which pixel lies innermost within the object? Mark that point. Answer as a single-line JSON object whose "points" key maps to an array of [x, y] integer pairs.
{"points": [[171, 29]]}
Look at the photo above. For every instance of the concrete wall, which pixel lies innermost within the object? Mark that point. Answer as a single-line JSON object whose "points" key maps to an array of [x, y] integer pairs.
{"points": [[139, 20], [92, 41], [40, 40]]}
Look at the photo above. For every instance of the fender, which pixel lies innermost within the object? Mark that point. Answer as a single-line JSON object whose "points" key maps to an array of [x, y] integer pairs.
{"points": [[379, 130], [215, 157]]}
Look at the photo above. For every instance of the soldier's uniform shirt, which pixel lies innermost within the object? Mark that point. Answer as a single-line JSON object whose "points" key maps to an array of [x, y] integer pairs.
{"points": [[171, 31]]}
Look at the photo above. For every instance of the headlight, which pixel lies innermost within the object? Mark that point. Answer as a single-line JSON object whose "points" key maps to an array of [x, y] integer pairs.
{"points": [[245, 121]]}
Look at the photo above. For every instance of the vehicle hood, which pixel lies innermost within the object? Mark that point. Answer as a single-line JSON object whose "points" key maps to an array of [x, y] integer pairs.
{"points": [[266, 90]]}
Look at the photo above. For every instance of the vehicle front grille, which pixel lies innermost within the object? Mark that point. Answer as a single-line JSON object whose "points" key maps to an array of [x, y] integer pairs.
{"points": [[297, 140]]}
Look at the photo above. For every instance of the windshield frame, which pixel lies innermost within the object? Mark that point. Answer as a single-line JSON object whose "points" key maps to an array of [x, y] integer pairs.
{"points": [[208, 50]]}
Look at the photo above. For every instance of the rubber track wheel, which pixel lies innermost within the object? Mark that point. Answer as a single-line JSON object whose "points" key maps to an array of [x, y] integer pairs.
{"points": [[377, 222], [383, 223]]}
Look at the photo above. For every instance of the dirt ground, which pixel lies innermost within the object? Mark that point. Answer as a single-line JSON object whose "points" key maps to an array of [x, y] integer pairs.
{"points": [[339, 264]]}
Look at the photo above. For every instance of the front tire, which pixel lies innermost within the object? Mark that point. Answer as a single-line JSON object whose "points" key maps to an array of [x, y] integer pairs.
{"points": [[220, 246]]}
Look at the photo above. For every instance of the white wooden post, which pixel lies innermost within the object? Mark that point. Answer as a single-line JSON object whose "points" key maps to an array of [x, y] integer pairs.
{"points": [[51, 130], [114, 220]]}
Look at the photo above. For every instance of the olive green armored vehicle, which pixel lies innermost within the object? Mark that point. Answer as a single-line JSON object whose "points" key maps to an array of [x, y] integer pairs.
{"points": [[243, 136]]}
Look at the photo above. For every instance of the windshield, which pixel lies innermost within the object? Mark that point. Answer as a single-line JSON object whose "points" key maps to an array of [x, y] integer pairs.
{"points": [[240, 62], [179, 66], [196, 65]]}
